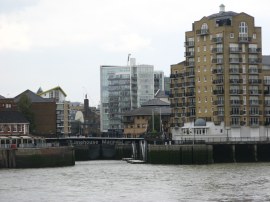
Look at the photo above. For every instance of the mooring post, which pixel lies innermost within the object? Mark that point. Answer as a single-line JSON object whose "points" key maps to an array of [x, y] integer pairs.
{"points": [[255, 153], [233, 153]]}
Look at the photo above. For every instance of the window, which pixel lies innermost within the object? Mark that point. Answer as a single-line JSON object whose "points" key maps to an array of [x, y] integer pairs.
{"points": [[204, 27], [205, 99], [231, 35], [254, 36], [204, 48], [205, 89], [204, 78], [198, 39], [204, 38], [204, 58], [198, 59], [198, 49], [205, 110], [243, 29], [204, 68]]}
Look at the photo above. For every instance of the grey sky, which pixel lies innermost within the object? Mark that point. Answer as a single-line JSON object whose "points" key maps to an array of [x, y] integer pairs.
{"points": [[63, 42]]}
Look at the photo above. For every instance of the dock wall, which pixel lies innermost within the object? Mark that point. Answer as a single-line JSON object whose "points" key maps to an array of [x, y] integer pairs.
{"points": [[180, 154], [37, 157]]}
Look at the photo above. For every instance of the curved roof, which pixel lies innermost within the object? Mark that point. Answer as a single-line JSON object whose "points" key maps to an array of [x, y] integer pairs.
{"points": [[200, 122]]}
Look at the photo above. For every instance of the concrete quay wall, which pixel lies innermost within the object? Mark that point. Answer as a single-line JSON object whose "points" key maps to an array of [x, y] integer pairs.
{"points": [[180, 154], [37, 157]]}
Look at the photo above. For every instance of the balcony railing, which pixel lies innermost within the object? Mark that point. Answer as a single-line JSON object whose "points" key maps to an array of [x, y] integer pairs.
{"points": [[218, 92], [235, 70], [217, 50], [255, 92], [254, 60], [236, 102], [218, 113], [235, 50], [236, 81], [217, 60], [244, 39], [254, 71], [189, 54], [254, 81], [267, 103], [189, 43], [217, 71], [235, 113], [190, 94], [217, 39], [255, 102], [189, 64], [235, 60], [202, 32], [218, 102], [236, 92], [254, 50], [252, 113], [218, 81]]}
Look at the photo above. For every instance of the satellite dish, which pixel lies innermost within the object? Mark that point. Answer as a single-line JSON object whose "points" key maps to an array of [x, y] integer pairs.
{"points": [[79, 116]]}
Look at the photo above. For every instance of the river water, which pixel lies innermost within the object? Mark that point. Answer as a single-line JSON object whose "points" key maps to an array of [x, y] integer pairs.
{"points": [[120, 181]]}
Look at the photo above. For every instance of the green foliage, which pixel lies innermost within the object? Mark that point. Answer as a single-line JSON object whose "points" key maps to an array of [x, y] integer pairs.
{"points": [[24, 106]]}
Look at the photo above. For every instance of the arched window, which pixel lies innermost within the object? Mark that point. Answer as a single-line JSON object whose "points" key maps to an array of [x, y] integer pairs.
{"points": [[243, 29]]}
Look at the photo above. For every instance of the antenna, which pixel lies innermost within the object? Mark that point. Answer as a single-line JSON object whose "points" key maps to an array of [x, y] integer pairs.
{"points": [[128, 58]]}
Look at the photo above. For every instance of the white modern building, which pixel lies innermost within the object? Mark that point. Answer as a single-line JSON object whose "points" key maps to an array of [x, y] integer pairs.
{"points": [[123, 88]]}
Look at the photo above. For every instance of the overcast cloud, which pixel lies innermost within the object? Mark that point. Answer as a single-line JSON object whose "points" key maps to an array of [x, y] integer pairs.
{"points": [[63, 42]]}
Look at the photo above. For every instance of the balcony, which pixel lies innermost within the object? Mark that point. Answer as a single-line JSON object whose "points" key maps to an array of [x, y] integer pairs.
{"points": [[218, 113], [217, 71], [217, 50], [217, 39], [191, 83], [254, 50], [255, 102], [218, 81], [218, 92], [267, 102], [190, 74], [254, 71], [244, 39], [266, 92], [236, 92], [236, 102], [189, 54], [202, 32], [217, 60], [219, 102], [252, 113], [254, 81], [189, 64], [235, 50], [255, 92], [190, 94], [235, 124], [189, 44], [235, 60], [236, 81], [255, 124], [254, 60], [235, 70], [191, 104], [235, 113]]}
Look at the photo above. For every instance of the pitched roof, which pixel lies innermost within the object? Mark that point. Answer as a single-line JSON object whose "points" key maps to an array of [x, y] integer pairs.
{"points": [[32, 96], [2, 97], [155, 102], [12, 117], [55, 88], [148, 111]]}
